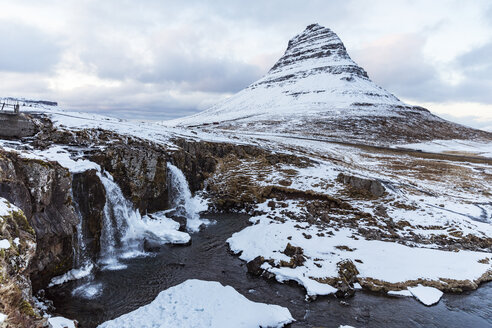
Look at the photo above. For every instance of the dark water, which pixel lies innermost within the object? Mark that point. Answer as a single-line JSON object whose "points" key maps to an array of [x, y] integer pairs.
{"points": [[208, 259]]}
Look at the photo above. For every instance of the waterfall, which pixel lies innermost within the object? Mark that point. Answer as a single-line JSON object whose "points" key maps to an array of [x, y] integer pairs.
{"points": [[124, 230], [121, 234], [82, 264], [81, 260], [183, 202]]}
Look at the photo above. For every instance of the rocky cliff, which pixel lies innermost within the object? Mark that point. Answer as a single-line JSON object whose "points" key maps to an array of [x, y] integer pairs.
{"points": [[42, 190], [17, 249]]}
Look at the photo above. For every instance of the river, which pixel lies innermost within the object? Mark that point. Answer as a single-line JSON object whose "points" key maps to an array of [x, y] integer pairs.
{"points": [[208, 258]]}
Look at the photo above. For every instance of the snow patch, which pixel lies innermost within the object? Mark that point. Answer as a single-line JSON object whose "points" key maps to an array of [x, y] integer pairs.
{"points": [[405, 293], [73, 274], [4, 244], [465, 147], [61, 322], [6, 208], [427, 295], [198, 303], [88, 290], [386, 261], [62, 156]]}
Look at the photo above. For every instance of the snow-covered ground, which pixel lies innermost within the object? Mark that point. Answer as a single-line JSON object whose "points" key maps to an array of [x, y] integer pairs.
{"points": [[6, 208], [455, 201], [55, 153], [458, 147], [4, 244], [436, 197], [323, 248], [200, 304], [61, 322], [427, 295]]}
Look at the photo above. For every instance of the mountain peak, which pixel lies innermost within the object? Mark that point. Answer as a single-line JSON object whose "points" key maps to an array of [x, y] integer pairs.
{"points": [[316, 88], [311, 32], [321, 49]]}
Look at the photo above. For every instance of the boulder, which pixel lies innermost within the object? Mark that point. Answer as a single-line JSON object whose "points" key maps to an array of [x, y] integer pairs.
{"points": [[254, 266], [371, 186]]}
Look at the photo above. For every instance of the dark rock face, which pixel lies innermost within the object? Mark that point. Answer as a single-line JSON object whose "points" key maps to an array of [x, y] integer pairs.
{"points": [[254, 266], [15, 288], [347, 273], [373, 187], [140, 170], [89, 199], [317, 42], [42, 191], [296, 255]]}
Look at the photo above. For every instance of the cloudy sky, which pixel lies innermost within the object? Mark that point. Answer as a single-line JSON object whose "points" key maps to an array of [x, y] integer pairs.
{"points": [[158, 59]]}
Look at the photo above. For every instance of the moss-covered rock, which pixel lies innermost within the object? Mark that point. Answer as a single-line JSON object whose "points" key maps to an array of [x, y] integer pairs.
{"points": [[42, 190], [15, 287]]}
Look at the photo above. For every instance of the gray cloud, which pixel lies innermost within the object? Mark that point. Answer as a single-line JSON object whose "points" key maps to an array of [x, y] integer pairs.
{"points": [[401, 67], [398, 64], [172, 58], [204, 74], [25, 49], [472, 121], [134, 101], [477, 63]]}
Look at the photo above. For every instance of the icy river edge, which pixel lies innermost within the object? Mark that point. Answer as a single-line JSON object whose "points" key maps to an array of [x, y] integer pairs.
{"points": [[208, 258]]}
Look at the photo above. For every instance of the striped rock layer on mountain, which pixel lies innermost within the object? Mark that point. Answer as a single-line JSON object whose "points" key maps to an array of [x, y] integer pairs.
{"points": [[316, 89]]}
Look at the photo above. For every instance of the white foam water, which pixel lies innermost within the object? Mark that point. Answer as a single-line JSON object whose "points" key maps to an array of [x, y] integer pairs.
{"points": [[88, 290], [182, 200], [121, 234], [124, 230]]}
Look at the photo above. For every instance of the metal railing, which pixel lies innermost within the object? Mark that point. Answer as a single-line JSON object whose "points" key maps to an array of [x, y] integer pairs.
{"points": [[6, 106]]}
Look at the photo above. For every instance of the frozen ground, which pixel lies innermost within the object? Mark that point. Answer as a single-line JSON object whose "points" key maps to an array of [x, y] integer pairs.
{"points": [[323, 248], [435, 207], [458, 147], [197, 303]]}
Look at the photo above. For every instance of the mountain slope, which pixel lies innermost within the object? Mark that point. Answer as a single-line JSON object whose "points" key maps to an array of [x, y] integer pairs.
{"points": [[315, 88]]}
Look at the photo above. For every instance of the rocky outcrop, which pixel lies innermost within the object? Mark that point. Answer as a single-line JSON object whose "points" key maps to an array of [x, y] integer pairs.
{"points": [[89, 198], [16, 253], [138, 166], [140, 170], [347, 277], [361, 186], [42, 190], [317, 44]]}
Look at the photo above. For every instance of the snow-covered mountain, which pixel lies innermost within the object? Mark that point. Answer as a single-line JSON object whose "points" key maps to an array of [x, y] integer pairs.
{"points": [[315, 88]]}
